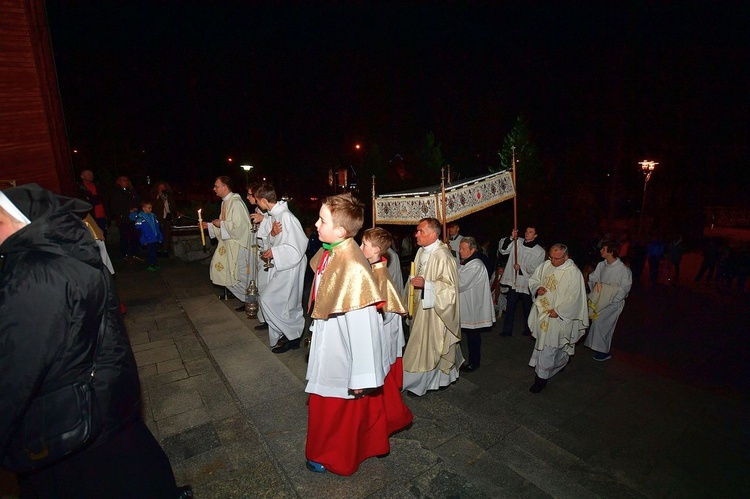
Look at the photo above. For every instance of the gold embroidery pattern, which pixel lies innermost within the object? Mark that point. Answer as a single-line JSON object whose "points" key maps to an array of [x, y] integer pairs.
{"points": [[550, 282], [545, 303], [222, 250], [544, 325], [219, 266]]}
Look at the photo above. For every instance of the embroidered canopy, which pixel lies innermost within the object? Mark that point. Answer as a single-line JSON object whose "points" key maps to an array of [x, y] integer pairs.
{"points": [[461, 198]]}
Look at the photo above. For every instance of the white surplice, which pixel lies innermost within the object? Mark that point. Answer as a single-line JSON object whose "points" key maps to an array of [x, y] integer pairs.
{"points": [[475, 299], [529, 258], [602, 328], [281, 298], [346, 343]]}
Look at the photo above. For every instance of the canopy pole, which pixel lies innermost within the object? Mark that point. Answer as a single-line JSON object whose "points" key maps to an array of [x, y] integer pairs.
{"points": [[373, 201], [445, 215], [515, 214]]}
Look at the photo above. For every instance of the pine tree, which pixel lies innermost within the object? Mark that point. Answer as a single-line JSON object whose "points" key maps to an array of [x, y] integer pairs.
{"points": [[432, 156], [528, 160]]}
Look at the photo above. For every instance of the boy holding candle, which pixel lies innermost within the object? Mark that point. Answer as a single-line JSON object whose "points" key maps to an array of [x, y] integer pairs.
{"points": [[346, 409]]}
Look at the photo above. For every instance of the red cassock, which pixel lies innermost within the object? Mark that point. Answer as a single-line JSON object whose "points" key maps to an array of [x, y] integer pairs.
{"points": [[341, 433], [397, 414]]}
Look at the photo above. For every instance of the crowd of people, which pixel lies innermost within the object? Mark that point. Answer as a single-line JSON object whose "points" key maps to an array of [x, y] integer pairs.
{"points": [[143, 219], [360, 307], [375, 331]]}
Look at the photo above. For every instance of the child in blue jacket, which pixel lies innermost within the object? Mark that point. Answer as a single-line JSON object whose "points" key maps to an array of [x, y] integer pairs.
{"points": [[151, 237]]}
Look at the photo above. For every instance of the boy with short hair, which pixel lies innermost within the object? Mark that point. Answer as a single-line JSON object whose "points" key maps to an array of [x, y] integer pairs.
{"points": [[375, 244], [151, 236], [346, 414]]}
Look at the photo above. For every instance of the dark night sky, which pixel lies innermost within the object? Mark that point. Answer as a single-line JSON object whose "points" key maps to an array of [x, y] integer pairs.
{"points": [[294, 85]]}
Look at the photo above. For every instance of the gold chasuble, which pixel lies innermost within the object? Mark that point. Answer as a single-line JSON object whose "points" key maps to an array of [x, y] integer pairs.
{"points": [[346, 284], [230, 261], [388, 290], [436, 331]]}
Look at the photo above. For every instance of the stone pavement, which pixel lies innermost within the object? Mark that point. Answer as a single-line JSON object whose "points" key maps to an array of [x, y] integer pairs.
{"points": [[231, 415]]}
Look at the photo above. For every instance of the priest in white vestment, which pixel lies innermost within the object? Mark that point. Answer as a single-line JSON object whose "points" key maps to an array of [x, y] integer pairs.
{"points": [[433, 355], [281, 299], [230, 264], [613, 279], [559, 317]]}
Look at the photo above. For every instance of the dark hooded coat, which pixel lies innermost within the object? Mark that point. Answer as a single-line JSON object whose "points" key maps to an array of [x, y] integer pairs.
{"points": [[54, 291]]}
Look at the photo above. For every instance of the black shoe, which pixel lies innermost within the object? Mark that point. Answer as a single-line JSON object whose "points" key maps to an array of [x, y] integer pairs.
{"points": [[261, 327], [241, 308], [289, 345], [468, 368], [538, 385], [281, 341]]}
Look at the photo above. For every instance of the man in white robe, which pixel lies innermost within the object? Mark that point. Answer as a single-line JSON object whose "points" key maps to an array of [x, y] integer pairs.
{"points": [[264, 228], [475, 298], [394, 269], [613, 274], [281, 299], [559, 316], [454, 240], [230, 264], [433, 355], [516, 275]]}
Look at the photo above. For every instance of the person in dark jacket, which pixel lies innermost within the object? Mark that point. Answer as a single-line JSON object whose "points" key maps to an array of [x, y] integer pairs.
{"points": [[93, 193], [48, 257], [124, 202], [165, 209]]}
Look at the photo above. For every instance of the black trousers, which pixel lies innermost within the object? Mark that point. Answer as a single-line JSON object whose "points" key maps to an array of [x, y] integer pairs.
{"points": [[510, 312], [474, 339]]}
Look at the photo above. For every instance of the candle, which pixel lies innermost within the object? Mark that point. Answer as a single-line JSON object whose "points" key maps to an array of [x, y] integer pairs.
{"points": [[411, 292], [200, 227]]}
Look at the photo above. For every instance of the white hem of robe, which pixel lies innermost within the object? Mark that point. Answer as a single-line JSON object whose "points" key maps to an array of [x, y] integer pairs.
{"points": [[602, 330], [548, 361], [420, 383]]}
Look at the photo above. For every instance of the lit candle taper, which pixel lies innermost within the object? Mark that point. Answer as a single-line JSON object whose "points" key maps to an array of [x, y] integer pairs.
{"points": [[200, 227], [411, 292]]}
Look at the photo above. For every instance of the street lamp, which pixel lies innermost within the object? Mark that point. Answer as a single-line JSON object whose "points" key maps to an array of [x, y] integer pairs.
{"points": [[648, 168], [247, 169]]}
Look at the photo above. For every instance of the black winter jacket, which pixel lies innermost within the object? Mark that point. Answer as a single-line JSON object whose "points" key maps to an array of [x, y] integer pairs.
{"points": [[54, 291]]}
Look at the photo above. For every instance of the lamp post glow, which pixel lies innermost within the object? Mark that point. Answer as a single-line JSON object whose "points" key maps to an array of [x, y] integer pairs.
{"points": [[648, 168], [247, 168]]}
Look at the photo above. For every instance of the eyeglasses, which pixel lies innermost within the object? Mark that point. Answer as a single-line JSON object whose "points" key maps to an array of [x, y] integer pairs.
{"points": [[553, 259]]}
